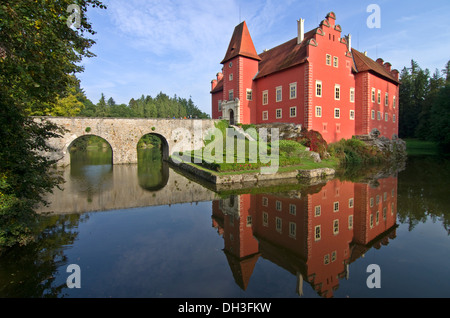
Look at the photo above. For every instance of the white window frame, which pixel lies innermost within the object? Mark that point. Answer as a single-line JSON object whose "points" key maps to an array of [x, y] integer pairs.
{"points": [[317, 210], [293, 89], [372, 115], [318, 111], [386, 117], [386, 99], [281, 113], [328, 60], [336, 226], [336, 206], [278, 224], [379, 97], [394, 101], [352, 95], [292, 230], [265, 97], [249, 94], [279, 94], [317, 233], [335, 61], [230, 77], [319, 88], [231, 94], [338, 112], [220, 106], [295, 112], [352, 114], [373, 94], [265, 115], [350, 221], [337, 92], [292, 209]]}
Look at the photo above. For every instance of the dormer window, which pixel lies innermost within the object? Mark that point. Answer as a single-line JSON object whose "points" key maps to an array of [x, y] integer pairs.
{"points": [[230, 65]]}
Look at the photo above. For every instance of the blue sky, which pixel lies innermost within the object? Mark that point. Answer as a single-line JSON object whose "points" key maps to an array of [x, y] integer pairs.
{"points": [[175, 46]]}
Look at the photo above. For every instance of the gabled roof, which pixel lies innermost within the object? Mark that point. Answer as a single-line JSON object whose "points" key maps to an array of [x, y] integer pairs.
{"points": [[218, 88], [284, 56], [364, 63], [241, 44]]}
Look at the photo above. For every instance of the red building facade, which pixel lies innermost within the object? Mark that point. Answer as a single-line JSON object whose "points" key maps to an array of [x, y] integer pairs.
{"points": [[316, 79]]}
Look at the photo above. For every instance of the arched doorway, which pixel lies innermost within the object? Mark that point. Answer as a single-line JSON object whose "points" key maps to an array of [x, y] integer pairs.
{"points": [[232, 122]]}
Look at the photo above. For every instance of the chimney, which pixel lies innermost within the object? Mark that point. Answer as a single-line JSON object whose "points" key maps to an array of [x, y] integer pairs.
{"points": [[219, 76], [380, 61], [213, 84], [388, 66], [395, 73], [301, 30]]}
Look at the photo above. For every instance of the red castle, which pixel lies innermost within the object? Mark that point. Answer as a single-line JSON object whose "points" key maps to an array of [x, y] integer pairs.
{"points": [[316, 80]]}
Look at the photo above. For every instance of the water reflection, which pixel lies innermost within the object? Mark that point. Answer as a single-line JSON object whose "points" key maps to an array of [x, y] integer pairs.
{"points": [[314, 236]]}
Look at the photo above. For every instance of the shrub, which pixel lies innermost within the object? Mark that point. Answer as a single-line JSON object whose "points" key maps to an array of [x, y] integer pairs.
{"points": [[314, 140]]}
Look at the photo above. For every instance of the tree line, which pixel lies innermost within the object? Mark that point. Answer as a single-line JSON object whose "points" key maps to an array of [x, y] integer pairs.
{"points": [[74, 103], [424, 107]]}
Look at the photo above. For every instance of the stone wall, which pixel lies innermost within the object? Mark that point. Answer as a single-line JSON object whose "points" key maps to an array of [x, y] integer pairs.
{"points": [[123, 134]]}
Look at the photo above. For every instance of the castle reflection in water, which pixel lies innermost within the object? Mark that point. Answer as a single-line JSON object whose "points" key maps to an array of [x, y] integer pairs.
{"points": [[315, 234]]}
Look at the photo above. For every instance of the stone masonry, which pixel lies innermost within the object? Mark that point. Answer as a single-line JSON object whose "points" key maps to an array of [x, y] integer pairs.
{"points": [[123, 135]]}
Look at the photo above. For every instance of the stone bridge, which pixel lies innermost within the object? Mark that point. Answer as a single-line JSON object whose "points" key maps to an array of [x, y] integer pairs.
{"points": [[123, 135]]}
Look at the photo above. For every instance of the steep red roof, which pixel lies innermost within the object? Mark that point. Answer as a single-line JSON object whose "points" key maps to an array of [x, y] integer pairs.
{"points": [[219, 87], [364, 63], [284, 56], [241, 44]]}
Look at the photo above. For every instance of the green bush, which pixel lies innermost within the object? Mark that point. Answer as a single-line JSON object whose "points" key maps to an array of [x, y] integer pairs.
{"points": [[355, 152]]}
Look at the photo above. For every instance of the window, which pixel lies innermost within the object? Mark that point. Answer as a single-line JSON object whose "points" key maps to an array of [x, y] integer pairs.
{"points": [[371, 221], [265, 201], [249, 220], [373, 114], [279, 94], [386, 117], [352, 114], [317, 210], [279, 113], [336, 206], [293, 112], [230, 94], [220, 105], [318, 111], [335, 61], [317, 233], [292, 229], [326, 259], [292, 209], [352, 95], [379, 115], [249, 94], [371, 202], [379, 97], [278, 205], [337, 92], [394, 100], [350, 222], [393, 118], [336, 227], [278, 224], [265, 219], [265, 98], [337, 113], [350, 203], [230, 77], [318, 88], [333, 256], [328, 59], [373, 95], [293, 90], [386, 99], [377, 217], [265, 115]]}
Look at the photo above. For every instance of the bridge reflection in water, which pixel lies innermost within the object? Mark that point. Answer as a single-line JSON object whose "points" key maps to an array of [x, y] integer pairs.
{"points": [[313, 232], [315, 235]]}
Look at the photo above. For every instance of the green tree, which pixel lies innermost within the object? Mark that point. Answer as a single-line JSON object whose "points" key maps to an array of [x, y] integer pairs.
{"points": [[440, 119], [39, 54]]}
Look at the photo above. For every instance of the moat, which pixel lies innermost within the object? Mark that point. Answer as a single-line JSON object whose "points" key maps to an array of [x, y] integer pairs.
{"points": [[148, 231]]}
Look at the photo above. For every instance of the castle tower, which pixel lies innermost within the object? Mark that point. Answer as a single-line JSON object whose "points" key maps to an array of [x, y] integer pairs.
{"points": [[240, 65]]}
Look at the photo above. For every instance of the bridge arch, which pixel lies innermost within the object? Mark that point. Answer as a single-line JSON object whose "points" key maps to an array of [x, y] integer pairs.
{"points": [[85, 146]]}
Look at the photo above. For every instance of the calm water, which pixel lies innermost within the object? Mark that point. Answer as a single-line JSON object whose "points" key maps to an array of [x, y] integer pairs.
{"points": [[147, 231]]}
